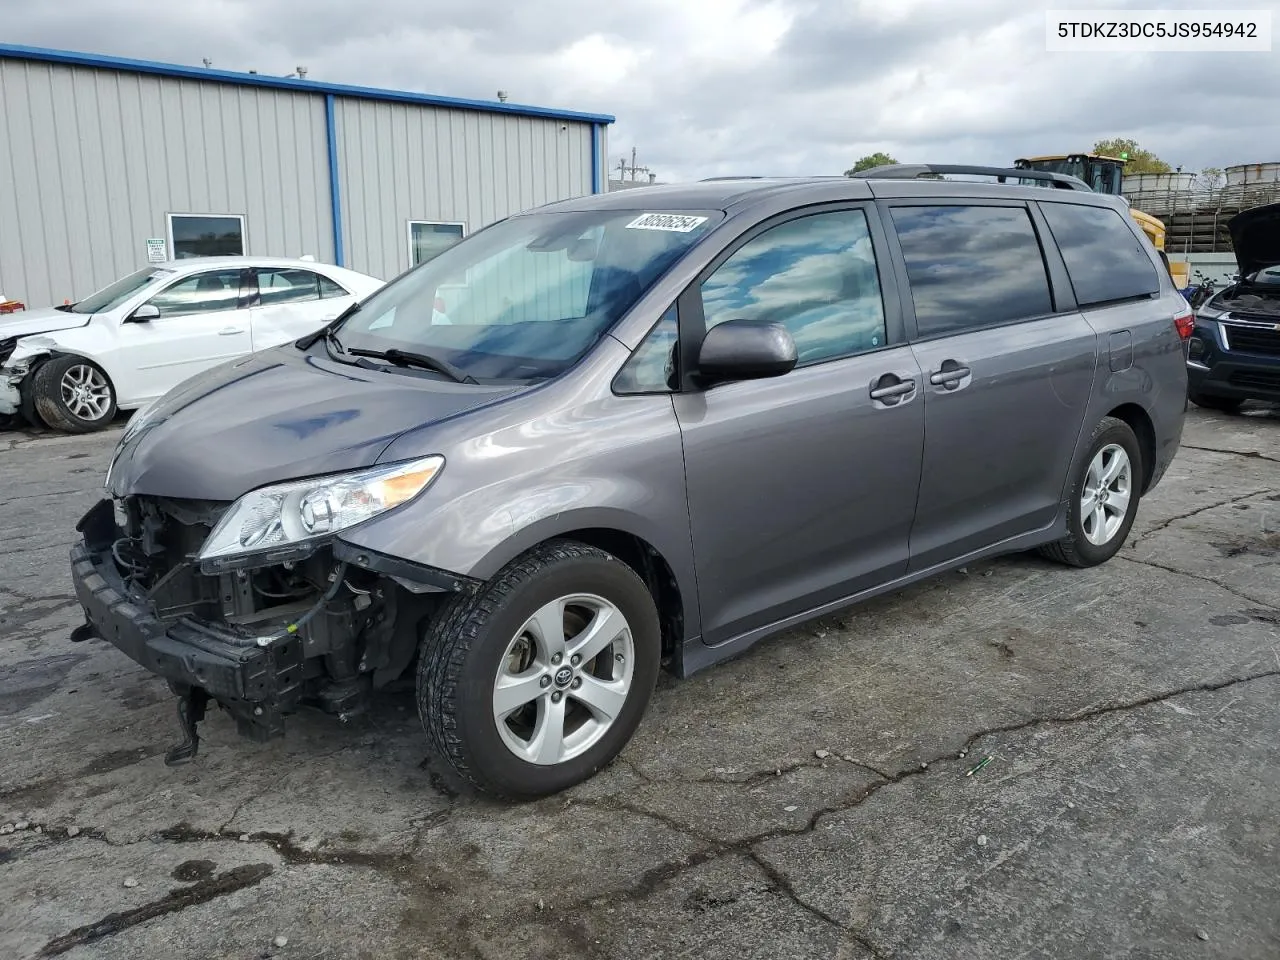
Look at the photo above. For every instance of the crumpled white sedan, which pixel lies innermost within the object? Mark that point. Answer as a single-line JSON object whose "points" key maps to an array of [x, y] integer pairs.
{"points": [[72, 367]]}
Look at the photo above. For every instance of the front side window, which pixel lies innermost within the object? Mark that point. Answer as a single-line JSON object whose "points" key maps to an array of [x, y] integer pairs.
{"points": [[816, 275], [206, 235], [110, 297], [971, 267], [524, 299], [428, 240], [1104, 259], [652, 368], [208, 292]]}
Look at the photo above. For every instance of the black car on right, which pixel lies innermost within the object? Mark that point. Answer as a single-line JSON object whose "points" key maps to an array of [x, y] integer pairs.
{"points": [[1234, 354]]}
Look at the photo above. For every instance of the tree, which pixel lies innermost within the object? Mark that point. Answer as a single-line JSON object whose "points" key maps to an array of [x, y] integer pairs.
{"points": [[1210, 178], [1139, 160], [877, 159]]}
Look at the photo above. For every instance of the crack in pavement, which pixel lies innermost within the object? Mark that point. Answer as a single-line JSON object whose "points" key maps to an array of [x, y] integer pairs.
{"points": [[46, 493], [783, 884], [764, 776], [286, 847], [1250, 454], [1165, 525], [1239, 594], [175, 900]]}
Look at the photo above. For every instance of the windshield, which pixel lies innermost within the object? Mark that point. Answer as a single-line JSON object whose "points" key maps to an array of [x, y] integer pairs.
{"points": [[108, 298], [527, 297], [1072, 168]]}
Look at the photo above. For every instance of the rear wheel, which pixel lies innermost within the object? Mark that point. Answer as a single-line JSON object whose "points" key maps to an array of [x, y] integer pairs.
{"points": [[1210, 402], [1103, 498], [73, 394], [539, 680]]}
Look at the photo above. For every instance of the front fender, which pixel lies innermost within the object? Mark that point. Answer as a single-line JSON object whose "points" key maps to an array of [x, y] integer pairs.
{"points": [[620, 467]]}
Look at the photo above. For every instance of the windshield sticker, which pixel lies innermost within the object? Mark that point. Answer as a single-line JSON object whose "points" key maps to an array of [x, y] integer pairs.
{"points": [[674, 222]]}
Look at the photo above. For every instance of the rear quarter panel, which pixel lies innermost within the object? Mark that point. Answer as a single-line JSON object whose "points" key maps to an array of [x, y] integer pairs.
{"points": [[1141, 360], [1141, 363]]}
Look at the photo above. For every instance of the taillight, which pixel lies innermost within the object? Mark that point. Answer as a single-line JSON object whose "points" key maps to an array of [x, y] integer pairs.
{"points": [[1185, 323]]}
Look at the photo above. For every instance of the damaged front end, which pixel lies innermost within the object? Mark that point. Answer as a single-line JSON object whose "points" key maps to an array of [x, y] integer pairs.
{"points": [[12, 373], [318, 623]]}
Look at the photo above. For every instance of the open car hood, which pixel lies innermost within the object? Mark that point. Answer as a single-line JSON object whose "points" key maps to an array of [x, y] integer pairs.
{"points": [[1255, 235], [281, 414]]}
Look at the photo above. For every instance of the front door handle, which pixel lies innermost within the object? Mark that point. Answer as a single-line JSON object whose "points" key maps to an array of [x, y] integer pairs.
{"points": [[230, 331], [891, 390], [896, 390], [950, 373]]}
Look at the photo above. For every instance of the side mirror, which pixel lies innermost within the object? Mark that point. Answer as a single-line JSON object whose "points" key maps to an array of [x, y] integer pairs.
{"points": [[745, 350], [144, 314]]}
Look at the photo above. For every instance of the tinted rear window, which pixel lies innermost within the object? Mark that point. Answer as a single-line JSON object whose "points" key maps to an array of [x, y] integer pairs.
{"points": [[1104, 258], [971, 267]]}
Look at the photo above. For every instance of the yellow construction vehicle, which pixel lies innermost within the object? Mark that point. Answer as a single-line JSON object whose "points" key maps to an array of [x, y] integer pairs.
{"points": [[1105, 175]]}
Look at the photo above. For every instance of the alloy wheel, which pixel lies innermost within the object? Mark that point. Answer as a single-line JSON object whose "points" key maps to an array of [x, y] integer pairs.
{"points": [[563, 679], [1108, 488], [85, 392]]}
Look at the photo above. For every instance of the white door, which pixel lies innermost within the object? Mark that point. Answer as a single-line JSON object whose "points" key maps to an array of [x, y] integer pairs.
{"points": [[202, 323], [292, 303]]}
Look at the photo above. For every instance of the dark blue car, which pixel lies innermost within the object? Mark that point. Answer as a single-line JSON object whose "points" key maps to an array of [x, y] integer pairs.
{"points": [[1234, 354]]}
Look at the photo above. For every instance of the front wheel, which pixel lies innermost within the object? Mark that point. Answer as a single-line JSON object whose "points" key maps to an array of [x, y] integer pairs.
{"points": [[1103, 498], [73, 395], [538, 681]]}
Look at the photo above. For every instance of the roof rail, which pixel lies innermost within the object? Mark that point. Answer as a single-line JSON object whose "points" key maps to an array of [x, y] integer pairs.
{"points": [[743, 176], [913, 171]]}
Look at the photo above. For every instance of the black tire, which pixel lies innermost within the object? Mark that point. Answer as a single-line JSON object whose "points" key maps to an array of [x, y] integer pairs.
{"points": [[1075, 549], [51, 406], [1210, 402], [466, 642]]}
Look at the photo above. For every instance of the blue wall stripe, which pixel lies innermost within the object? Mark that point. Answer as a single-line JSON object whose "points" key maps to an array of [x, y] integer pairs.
{"points": [[18, 52], [595, 158], [335, 187]]}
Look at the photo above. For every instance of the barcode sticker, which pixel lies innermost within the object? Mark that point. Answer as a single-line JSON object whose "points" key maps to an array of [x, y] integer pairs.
{"points": [[675, 222]]}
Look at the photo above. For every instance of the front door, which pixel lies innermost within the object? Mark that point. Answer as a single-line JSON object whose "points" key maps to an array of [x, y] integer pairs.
{"points": [[801, 488], [202, 323], [1006, 374]]}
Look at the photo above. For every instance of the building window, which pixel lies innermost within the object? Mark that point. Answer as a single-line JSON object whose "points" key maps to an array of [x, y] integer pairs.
{"points": [[429, 239], [205, 235]]}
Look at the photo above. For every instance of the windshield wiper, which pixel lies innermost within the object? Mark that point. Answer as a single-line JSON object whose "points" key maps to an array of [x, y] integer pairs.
{"points": [[326, 332], [406, 358]]}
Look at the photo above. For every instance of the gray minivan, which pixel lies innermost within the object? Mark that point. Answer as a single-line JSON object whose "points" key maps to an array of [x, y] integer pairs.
{"points": [[633, 430]]}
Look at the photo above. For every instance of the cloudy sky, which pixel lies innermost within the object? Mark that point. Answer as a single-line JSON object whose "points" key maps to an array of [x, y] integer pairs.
{"points": [[712, 87]]}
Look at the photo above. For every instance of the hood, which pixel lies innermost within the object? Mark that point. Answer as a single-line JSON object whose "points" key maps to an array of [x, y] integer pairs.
{"points": [[25, 323], [1255, 236], [278, 415]]}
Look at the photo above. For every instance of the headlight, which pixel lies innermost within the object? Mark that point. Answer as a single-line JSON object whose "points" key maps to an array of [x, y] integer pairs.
{"points": [[289, 514]]}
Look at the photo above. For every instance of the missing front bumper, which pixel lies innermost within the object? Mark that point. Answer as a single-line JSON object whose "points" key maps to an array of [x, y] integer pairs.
{"points": [[258, 685]]}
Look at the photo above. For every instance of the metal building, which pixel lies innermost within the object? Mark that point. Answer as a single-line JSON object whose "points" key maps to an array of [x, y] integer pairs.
{"points": [[106, 163]]}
